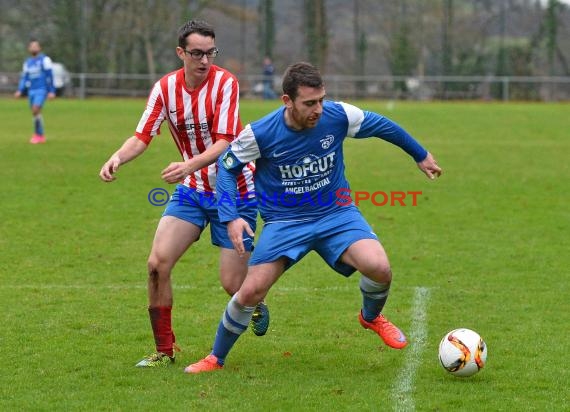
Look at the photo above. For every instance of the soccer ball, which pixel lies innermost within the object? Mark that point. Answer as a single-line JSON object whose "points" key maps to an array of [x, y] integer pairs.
{"points": [[462, 352]]}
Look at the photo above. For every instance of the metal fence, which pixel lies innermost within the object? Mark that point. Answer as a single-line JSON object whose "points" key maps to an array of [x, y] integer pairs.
{"points": [[505, 88]]}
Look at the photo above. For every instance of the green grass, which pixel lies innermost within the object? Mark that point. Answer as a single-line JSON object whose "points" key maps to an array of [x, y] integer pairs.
{"points": [[488, 242]]}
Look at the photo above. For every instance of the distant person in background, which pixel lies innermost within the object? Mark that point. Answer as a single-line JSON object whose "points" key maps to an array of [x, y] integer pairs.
{"points": [[37, 81], [268, 73]]}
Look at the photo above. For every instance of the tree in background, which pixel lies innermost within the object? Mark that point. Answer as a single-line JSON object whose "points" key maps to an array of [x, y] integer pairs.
{"points": [[266, 28], [447, 43], [553, 49], [316, 33], [551, 24], [403, 56], [360, 47], [446, 37]]}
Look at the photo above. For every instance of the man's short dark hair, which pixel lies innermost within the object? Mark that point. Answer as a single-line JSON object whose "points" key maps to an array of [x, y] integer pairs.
{"points": [[301, 74], [194, 26]]}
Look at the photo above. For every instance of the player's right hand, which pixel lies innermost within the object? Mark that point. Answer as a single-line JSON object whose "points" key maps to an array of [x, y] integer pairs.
{"points": [[109, 168], [17, 94], [235, 233], [430, 167]]}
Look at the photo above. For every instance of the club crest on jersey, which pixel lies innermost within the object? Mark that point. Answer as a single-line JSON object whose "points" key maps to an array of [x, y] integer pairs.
{"points": [[327, 141], [228, 160]]}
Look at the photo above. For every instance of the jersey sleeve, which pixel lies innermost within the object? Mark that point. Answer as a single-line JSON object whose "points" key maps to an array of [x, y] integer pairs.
{"points": [[363, 124], [226, 120], [47, 67], [153, 116], [245, 148], [355, 118], [241, 151]]}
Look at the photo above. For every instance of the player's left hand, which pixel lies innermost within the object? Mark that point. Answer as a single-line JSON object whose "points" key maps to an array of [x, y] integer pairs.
{"points": [[176, 172], [430, 167], [51, 96], [235, 233]]}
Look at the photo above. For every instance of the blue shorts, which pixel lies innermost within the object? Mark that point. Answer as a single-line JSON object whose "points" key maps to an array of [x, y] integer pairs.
{"points": [[329, 236], [37, 97], [200, 209]]}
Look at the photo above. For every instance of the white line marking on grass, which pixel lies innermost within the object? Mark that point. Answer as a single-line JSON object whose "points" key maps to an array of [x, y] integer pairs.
{"points": [[403, 388]]}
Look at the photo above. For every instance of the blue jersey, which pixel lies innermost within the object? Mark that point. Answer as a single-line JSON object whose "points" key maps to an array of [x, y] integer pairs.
{"points": [[37, 74], [300, 174]]}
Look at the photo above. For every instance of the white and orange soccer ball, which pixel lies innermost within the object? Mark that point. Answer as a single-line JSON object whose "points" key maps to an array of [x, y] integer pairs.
{"points": [[462, 352]]}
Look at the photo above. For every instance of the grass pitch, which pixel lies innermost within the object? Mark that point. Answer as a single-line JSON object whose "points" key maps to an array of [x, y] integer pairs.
{"points": [[485, 248]]}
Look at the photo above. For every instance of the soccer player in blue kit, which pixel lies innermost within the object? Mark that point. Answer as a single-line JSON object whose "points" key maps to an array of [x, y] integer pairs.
{"points": [[299, 173], [37, 80]]}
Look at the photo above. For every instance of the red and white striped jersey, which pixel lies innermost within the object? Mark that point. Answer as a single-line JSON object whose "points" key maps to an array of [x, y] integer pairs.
{"points": [[197, 119]]}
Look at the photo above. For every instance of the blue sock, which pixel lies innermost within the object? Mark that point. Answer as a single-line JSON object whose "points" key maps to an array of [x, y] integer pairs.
{"points": [[224, 342], [234, 322], [374, 296], [38, 125]]}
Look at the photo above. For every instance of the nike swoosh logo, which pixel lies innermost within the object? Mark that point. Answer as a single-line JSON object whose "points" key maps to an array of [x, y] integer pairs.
{"points": [[173, 111], [275, 154]]}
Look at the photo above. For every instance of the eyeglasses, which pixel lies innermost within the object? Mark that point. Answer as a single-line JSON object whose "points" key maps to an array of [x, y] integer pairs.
{"points": [[198, 54]]}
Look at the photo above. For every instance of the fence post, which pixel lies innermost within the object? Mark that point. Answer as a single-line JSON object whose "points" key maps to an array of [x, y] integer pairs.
{"points": [[82, 81], [505, 89]]}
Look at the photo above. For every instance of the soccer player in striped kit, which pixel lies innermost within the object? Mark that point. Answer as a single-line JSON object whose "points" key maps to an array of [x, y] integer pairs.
{"points": [[200, 104], [37, 81]]}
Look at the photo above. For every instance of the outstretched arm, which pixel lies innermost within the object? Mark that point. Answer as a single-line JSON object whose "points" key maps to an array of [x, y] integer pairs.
{"points": [[365, 124], [132, 148], [149, 126], [374, 124], [393, 133]]}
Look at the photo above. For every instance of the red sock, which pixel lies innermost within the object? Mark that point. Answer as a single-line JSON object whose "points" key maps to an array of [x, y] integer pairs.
{"points": [[161, 322]]}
